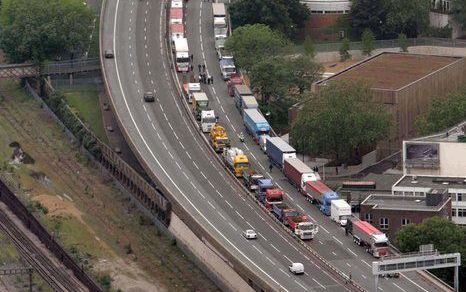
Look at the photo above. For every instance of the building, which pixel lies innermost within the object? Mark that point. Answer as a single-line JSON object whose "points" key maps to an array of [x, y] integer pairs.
{"points": [[389, 213], [405, 84], [324, 14], [440, 17], [437, 161]]}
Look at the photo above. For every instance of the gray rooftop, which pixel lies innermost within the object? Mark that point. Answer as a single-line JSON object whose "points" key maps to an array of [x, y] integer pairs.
{"points": [[432, 182], [390, 202]]}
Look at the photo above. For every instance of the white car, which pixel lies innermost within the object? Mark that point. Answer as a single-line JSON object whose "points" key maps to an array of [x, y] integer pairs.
{"points": [[296, 268], [250, 234]]}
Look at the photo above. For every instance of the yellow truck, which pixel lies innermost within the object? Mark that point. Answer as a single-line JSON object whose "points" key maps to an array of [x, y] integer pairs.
{"points": [[219, 138], [236, 160]]}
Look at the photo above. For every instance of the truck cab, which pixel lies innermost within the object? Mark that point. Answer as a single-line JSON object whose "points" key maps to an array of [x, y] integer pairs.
{"points": [[227, 68], [302, 226], [219, 138], [235, 79], [250, 179], [208, 120], [327, 199], [200, 103], [236, 160], [220, 26]]}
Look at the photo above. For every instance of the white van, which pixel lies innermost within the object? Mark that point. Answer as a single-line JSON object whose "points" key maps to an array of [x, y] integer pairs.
{"points": [[297, 268]]}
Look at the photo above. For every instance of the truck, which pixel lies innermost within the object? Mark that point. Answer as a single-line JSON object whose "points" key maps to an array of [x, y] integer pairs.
{"points": [[317, 192], [208, 120], [270, 197], [220, 41], [263, 184], [298, 173], [255, 124], [236, 160], [181, 55], [282, 211], [302, 226], [220, 26], [227, 68], [248, 102], [340, 211], [177, 31], [200, 103], [176, 15], [278, 150], [364, 234], [235, 79], [239, 91], [189, 89], [219, 138], [250, 179], [218, 10]]}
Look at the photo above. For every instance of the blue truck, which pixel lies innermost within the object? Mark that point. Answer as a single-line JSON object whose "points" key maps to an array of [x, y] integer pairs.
{"points": [[278, 150], [255, 124]]}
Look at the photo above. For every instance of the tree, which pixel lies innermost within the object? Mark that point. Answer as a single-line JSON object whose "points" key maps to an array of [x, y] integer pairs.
{"points": [[36, 30], [443, 113], [309, 49], [367, 42], [304, 72], [340, 120], [281, 15], [402, 42], [252, 43], [271, 78], [446, 236], [367, 14], [458, 8], [344, 50]]}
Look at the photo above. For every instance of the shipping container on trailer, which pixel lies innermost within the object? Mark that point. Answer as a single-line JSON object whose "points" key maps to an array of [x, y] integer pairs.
{"points": [[298, 173], [278, 150]]}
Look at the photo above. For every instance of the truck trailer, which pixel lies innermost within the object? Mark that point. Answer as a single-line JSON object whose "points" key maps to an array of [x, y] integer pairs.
{"points": [[248, 102], [270, 197], [177, 31], [340, 211], [176, 15], [200, 102], [278, 150], [302, 226], [364, 234], [298, 173], [255, 124], [239, 91], [282, 211], [317, 192], [182, 58]]}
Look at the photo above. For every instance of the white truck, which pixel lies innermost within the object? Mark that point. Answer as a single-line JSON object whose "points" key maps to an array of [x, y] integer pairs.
{"points": [[340, 211], [208, 120], [182, 54], [220, 26], [190, 88]]}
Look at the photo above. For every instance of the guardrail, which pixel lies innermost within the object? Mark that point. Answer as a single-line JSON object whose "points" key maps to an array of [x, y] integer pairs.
{"points": [[15, 205]]}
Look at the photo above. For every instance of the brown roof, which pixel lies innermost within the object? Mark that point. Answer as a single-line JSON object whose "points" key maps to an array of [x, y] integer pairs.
{"points": [[393, 71]]}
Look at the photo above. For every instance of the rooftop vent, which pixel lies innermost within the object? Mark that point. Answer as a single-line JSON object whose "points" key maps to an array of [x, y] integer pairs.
{"points": [[414, 179]]}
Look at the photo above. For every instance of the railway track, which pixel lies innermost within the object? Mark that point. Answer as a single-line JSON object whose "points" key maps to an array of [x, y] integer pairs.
{"points": [[56, 276]]}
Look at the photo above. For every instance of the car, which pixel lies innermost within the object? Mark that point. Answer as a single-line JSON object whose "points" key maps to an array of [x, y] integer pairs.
{"points": [[250, 234], [149, 96], [109, 54], [296, 268]]}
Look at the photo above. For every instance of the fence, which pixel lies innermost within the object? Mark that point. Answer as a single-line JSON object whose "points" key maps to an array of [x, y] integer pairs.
{"points": [[15, 205]]}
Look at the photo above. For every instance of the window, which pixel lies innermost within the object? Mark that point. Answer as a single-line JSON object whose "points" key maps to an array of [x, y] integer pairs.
{"points": [[368, 217], [459, 197], [453, 212], [461, 212], [405, 221], [384, 223]]}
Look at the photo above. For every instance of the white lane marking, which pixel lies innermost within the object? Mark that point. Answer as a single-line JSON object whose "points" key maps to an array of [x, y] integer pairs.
{"points": [[260, 234], [289, 197], [221, 196], [255, 247], [302, 286], [324, 228], [336, 239], [231, 225], [321, 242], [176, 136], [402, 275], [228, 203], [287, 258], [323, 287], [185, 175], [203, 175], [211, 185], [348, 265], [351, 251], [399, 287], [201, 194], [171, 155], [223, 110], [164, 145], [194, 186], [144, 107], [249, 224], [270, 260], [274, 247], [187, 154], [212, 205], [176, 162], [237, 213], [181, 144], [366, 263], [148, 117], [334, 253], [380, 288], [284, 272], [363, 276], [260, 164], [221, 215]]}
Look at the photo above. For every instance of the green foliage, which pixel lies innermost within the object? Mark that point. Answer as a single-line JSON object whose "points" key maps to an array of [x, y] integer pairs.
{"points": [[402, 42], [443, 113], [458, 8], [36, 30], [304, 72], [388, 18], [367, 42], [309, 49], [344, 50], [339, 120], [438, 32], [284, 16], [271, 77], [253, 43], [105, 281], [35, 206], [446, 236]]}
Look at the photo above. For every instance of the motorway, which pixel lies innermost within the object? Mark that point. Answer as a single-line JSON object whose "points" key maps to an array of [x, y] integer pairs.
{"points": [[162, 134]]}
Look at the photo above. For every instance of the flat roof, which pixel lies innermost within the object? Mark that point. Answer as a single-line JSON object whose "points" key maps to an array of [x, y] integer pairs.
{"points": [[391, 202], [450, 135], [432, 182], [392, 71]]}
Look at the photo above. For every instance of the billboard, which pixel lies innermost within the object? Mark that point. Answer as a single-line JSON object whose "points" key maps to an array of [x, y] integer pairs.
{"points": [[422, 154]]}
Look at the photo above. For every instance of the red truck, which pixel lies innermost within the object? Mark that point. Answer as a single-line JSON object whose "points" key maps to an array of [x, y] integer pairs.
{"points": [[298, 173], [302, 226], [282, 211], [273, 197], [234, 80], [364, 234]]}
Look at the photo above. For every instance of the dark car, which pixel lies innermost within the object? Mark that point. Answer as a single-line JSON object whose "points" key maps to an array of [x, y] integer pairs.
{"points": [[109, 54], [149, 96]]}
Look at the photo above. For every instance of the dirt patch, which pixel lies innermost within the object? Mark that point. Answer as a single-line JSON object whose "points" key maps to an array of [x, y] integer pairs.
{"points": [[334, 67], [58, 206], [127, 276]]}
